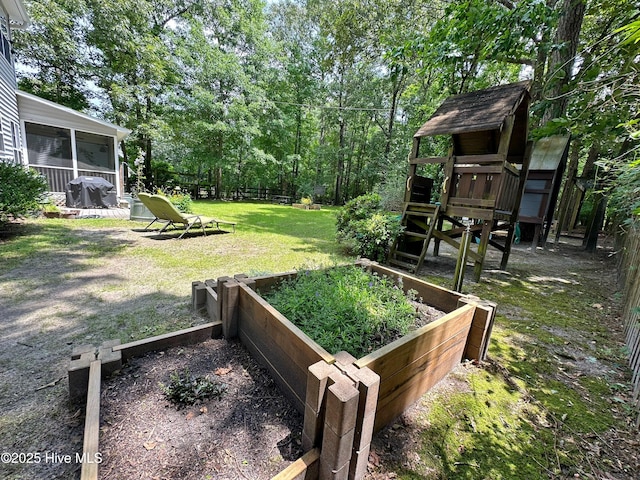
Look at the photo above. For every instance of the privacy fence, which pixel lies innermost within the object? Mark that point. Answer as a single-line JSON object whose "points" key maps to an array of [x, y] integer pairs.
{"points": [[630, 283]]}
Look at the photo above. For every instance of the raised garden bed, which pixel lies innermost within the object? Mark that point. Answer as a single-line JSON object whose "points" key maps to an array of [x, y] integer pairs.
{"points": [[343, 399], [386, 381], [249, 430]]}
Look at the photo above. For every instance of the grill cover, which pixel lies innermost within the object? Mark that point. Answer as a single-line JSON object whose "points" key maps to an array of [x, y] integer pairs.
{"points": [[90, 192]]}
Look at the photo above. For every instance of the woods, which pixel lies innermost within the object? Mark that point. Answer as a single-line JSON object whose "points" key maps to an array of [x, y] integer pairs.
{"points": [[311, 98]]}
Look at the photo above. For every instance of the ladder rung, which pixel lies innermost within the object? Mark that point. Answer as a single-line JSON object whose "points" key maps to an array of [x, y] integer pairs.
{"points": [[408, 266], [426, 206], [410, 256], [416, 234], [412, 213]]}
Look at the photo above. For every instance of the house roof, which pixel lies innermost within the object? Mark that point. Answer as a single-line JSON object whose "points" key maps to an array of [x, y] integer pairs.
{"points": [[18, 17], [475, 111], [38, 110]]}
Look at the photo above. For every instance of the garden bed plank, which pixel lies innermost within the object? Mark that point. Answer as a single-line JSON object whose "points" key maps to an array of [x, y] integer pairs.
{"points": [[411, 365], [281, 346], [300, 468], [90, 447], [187, 336], [438, 297]]}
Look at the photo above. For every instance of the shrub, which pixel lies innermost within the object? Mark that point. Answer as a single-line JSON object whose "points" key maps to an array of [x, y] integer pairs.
{"points": [[182, 202], [21, 191], [365, 229]]}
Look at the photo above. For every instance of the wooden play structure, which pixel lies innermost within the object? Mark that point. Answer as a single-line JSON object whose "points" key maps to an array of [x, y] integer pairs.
{"points": [[484, 177], [548, 161]]}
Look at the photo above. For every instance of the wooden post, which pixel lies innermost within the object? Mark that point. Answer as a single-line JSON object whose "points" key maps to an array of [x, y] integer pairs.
{"points": [[228, 295], [339, 429], [487, 227], [458, 277], [481, 327]]}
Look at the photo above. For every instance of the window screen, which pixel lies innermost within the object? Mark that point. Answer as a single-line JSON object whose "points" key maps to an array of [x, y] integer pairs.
{"points": [[95, 152], [48, 146]]}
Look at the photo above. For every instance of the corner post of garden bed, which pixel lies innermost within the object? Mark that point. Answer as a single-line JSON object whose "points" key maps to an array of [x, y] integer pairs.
{"points": [[340, 409], [481, 327], [228, 294]]}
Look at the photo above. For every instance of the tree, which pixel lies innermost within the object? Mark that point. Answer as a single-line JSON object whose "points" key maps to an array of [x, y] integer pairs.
{"points": [[52, 50], [132, 62]]}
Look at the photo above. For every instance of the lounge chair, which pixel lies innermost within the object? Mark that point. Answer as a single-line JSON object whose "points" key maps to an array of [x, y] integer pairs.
{"points": [[144, 198], [165, 212]]}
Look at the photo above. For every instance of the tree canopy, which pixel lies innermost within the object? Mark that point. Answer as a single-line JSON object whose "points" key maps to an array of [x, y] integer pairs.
{"points": [[309, 97]]}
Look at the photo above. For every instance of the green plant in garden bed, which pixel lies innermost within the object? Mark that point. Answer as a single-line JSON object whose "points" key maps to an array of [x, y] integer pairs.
{"points": [[346, 308], [187, 389]]}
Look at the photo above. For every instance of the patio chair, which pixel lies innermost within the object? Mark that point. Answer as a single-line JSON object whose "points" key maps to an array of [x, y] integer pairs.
{"points": [[167, 213], [145, 199]]}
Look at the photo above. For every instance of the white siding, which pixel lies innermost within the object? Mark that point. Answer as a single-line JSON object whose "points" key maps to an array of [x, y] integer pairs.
{"points": [[8, 112]]}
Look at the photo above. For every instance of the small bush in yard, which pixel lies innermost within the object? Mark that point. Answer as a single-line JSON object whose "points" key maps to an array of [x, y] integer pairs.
{"points": [[21, 191], [345, 308], [365, 229], [186, 389]]}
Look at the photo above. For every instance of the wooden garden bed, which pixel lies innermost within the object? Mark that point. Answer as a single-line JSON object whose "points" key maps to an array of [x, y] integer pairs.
{"points": [[344, 400], [384, 382]]}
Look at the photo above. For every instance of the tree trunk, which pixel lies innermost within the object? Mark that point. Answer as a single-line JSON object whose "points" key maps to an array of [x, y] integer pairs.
{"points": [[563, 58], [569, 187]]}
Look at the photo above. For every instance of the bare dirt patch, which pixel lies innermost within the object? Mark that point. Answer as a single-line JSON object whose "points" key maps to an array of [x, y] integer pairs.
{"points": [[251, 431]]}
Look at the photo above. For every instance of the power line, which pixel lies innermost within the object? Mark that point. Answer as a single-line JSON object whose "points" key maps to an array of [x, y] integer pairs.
{"points": [[330, 107]]}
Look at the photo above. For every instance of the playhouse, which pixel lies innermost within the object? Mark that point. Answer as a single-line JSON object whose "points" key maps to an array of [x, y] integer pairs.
{"points": [[483, 177]]}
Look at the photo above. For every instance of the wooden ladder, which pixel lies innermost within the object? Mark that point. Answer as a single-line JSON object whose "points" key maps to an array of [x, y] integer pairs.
{"points": [[409, 250]]}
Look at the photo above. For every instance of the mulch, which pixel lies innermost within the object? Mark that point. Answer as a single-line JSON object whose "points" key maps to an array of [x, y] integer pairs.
{"points": [[251, 432]]}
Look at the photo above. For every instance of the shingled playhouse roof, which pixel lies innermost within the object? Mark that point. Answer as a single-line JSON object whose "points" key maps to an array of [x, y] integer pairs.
{"points": [[475, 111]]}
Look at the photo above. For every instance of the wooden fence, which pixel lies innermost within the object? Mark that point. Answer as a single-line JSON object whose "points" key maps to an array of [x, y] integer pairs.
{"points": [[630, 283]]}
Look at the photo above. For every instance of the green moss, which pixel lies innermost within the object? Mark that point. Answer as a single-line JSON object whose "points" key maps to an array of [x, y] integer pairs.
{"points": [[484, 433]]}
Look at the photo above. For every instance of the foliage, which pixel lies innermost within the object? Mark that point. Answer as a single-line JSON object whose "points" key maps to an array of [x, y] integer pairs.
{"points": [[365, 229], [21, 191], [185, 389], [181, 200], [359, 208], [345, 308], [290, 95], [624, 202], [306, 201]]}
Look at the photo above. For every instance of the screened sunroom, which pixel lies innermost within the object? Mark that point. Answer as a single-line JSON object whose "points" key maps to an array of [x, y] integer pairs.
{"points": [[64, 144]]}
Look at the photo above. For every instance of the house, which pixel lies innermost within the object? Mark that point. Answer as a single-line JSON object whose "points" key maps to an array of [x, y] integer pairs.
{"points": [[12, 15], [59, 142]]}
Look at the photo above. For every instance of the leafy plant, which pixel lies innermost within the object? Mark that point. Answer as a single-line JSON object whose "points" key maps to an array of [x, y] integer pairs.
{"points": [[182, 201], [50, 207], [186, 389], [21, 191], [306, 201], [345, 308], [365, 229]]}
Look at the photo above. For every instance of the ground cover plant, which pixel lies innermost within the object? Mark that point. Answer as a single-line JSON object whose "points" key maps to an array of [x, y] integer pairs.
{"points": [[548, 403], [185, 389], [347, 308]]}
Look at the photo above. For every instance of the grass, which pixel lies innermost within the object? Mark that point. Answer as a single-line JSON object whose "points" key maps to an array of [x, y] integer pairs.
{"points": [[535, 416], [531, 413]]}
